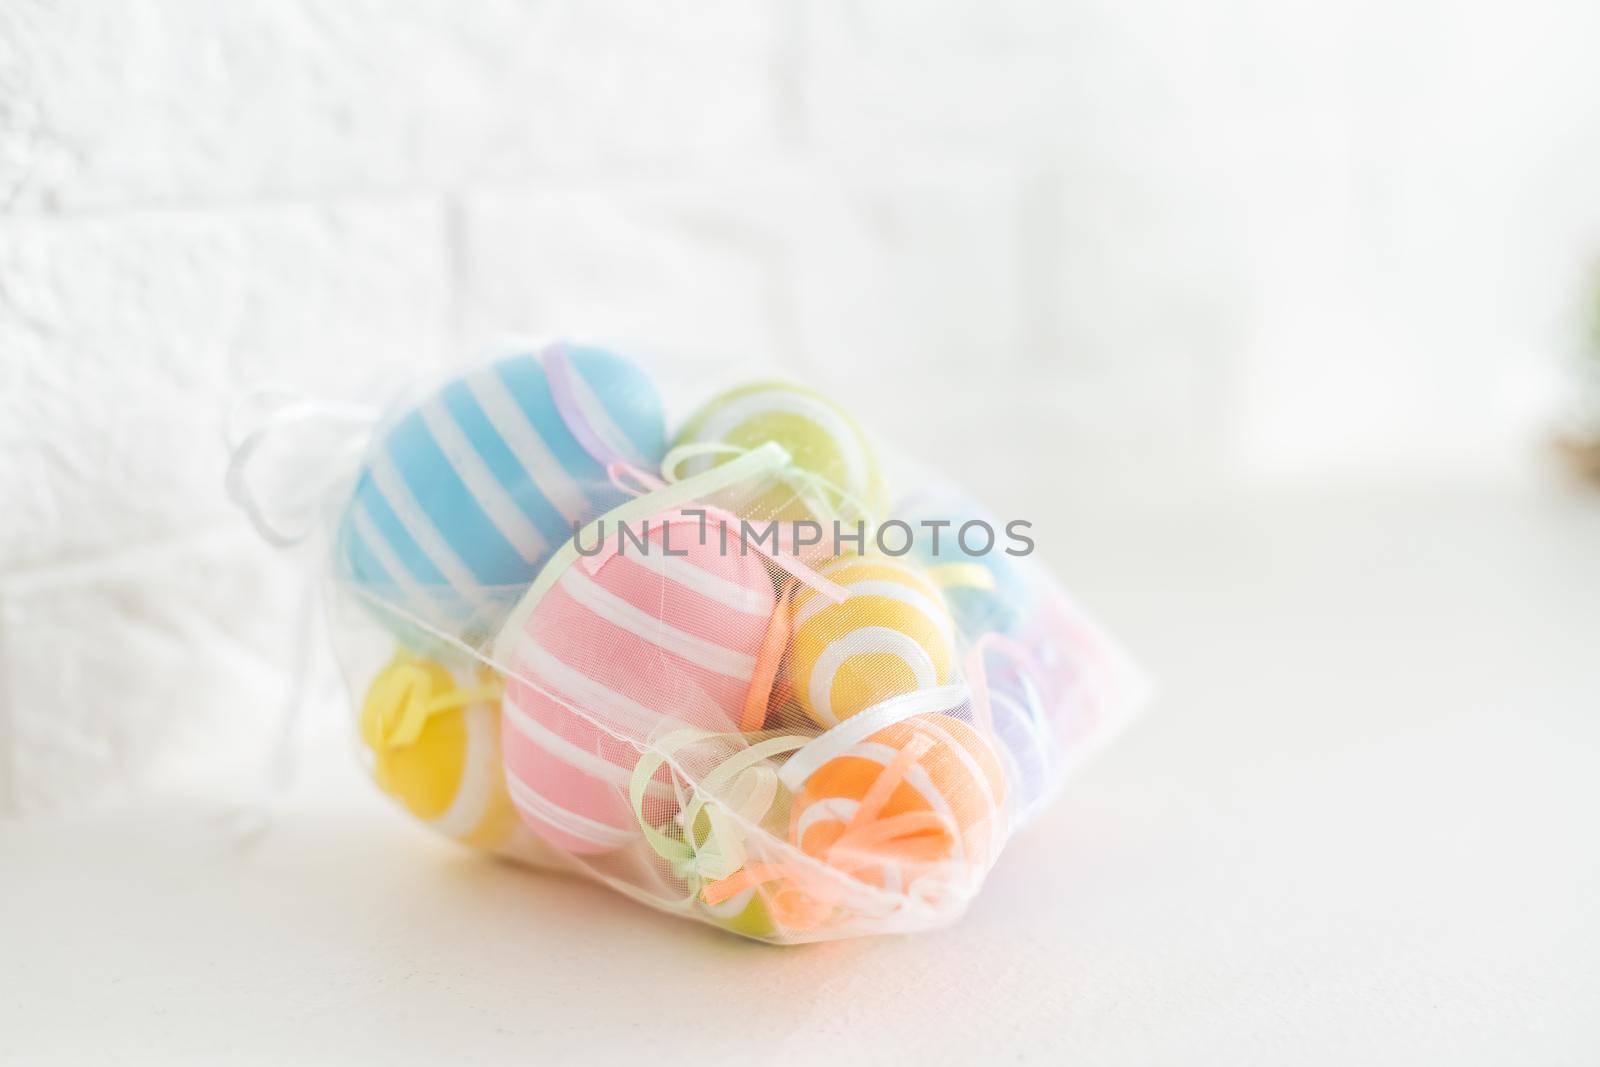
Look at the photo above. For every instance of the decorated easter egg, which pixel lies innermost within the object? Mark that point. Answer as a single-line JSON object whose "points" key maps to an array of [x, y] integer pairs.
{"points": [[834, 472], [618, 646], [1026, 741], [891, 635], [913, 808], [1084, 683], [466, 496], [963, 549], [434, 738]]}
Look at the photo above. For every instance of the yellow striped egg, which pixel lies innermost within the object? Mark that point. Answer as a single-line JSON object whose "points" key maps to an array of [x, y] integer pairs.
{"points": [[891, 635], [434, 737], [836, 473]]}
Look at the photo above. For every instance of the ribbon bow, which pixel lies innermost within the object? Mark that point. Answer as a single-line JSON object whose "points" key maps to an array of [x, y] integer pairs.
{"points": [[741, 792], [825, 499], [802, 896], [405, 697], [316, 444]]}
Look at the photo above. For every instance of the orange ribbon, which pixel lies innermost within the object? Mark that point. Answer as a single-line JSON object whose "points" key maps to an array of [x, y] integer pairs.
{"points": [[802, 898], [768, 659]]}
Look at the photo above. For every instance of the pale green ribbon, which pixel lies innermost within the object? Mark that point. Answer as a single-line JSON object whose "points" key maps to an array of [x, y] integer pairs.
{"points": [[739, 792], [822, 497], [402, 701]]}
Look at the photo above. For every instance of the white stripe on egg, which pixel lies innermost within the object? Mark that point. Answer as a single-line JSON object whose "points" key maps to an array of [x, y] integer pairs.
{"points": [[599, 419], [581, 691], [654, 630], [511, 423], [541, 809], [581, 759], [411, 590], [421, 529], [865, 641], [887, 589], [682, 571], [479, 769], [491, 496]]}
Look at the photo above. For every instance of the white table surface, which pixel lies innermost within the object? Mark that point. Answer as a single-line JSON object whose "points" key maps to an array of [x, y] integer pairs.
{"points": [[1360, 824]]}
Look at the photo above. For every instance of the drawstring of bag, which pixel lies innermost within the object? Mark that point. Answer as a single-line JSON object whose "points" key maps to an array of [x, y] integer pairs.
{"points": [[273, 416], [258, 420], [286, 410]]}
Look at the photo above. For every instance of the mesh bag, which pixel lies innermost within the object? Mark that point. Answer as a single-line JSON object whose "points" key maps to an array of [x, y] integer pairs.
{"points": [[722, 669]]}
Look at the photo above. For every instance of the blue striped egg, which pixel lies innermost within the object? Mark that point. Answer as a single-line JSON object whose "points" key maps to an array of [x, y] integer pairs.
{"points": [[985, 590], [466, 496]]}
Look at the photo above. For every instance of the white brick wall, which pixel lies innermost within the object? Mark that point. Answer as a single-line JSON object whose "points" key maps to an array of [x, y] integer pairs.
{"points": [[1145, 242]]}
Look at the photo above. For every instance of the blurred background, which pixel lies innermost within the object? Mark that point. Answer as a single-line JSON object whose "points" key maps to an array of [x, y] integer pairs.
{"points": [[1107, 263], [1279, 319]]}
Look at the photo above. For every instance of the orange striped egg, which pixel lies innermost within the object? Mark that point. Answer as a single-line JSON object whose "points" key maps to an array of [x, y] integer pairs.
{"points": [[611, 652], [917, 801]]}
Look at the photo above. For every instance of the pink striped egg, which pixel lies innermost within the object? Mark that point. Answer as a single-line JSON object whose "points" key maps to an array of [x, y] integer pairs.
{"points": [[621, 643]]}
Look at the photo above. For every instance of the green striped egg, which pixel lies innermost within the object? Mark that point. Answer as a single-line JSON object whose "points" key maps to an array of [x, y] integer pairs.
{"points": [[821, 439]]}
